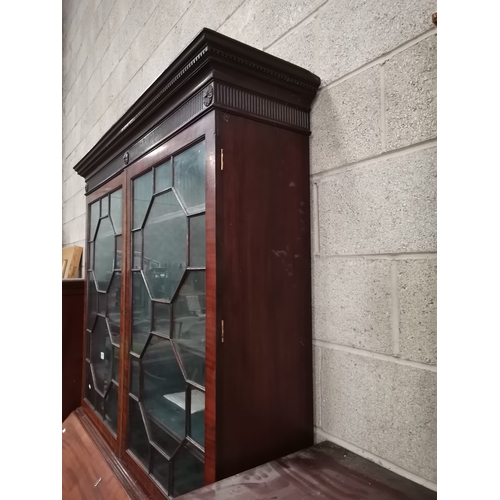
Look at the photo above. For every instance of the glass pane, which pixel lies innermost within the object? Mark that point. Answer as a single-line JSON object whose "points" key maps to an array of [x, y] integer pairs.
{"points": [[116, 210], [198, 416], [115, 374], [113, 296], [165, 235], [138, 441], [104, 254], [143, 190], [161, 318], [188, 472], [111, 415], [163, 176], [137, 237], [197, 241], [104, 206], [91, 301], [99, 405], [141, 313], [162, 438], [189, 177], [164, 387], [101, 303], [134, 376], [100, 355], [161, 469], [89, 385], [91, 256], [188, 335], [118, 254], [94, 218]]}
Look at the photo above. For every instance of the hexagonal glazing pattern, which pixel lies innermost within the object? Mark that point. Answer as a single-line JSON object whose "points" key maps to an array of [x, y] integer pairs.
{"points": [[104, 254], [165, 240]]}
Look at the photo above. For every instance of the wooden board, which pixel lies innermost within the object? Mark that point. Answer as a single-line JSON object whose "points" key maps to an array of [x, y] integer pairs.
{"points": [[71, 261], [85, 473]]}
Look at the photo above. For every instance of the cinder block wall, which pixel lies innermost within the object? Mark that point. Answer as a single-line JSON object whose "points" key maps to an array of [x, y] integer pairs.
{"points": [[373, 185]]}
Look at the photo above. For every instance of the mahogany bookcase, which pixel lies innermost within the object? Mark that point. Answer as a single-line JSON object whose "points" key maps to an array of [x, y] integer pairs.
{"points": [[198, 348]]}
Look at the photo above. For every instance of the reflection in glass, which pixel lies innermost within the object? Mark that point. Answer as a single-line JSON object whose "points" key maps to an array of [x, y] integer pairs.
{"points": [[118, 254], [99, 404], [143, 190], [165, 235], [197, 241], [189, 177], [141, 313], [137, 242], [134, 376], [188, 333], [91, 301], [104, 206], [161, 318], [163, 176], [164, 386], [100, 355], [188, 472], [116, 363], [137, 437], [198, 416], [116, 210], [111, 407], [94, 218], [104, 254], [163, 439], [91, 255], [101, 303], [113, 297], [161, 469]]}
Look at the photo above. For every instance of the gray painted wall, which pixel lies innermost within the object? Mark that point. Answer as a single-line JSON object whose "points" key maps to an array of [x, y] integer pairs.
{"points": [[373, 185]]}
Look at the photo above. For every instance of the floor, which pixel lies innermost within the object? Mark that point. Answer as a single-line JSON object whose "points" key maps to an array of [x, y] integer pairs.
{"points": [[85, 473]]}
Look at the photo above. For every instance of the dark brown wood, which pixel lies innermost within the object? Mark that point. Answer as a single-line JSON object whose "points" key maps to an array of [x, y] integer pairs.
{"points": [[264, 389], [325, 471], [214, 71], [73, 291], [85, 473], [120, 472], [254, 108]]}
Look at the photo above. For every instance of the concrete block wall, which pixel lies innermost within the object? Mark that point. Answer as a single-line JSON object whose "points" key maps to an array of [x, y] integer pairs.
{"points": [[373, 185]]}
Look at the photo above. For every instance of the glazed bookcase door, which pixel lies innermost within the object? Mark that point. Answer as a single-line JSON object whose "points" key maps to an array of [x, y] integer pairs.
{"points": [[166, 398], [104, 283]]}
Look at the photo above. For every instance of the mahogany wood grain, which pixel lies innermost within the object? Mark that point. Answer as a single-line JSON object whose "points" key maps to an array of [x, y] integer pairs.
{"points": [[85, 473], [72, 336], [264, 381], [323, 472]]}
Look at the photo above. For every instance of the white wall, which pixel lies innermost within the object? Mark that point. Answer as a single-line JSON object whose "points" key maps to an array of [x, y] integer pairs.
{"points": [[373, 184]]}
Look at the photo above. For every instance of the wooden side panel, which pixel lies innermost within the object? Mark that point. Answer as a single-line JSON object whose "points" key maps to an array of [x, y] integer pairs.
{"points": [[72, 339], [264, 377]]}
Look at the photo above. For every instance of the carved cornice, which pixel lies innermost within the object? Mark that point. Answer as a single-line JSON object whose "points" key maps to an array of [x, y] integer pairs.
{"points": [[197, 81]]}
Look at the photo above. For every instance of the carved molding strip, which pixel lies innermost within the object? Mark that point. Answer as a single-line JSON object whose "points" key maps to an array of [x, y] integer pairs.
{"points": [[261, 106], [168, 126]]}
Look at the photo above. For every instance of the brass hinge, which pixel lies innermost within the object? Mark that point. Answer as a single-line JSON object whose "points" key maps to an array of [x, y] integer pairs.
{"points": [[222, 159], [222, 330]]}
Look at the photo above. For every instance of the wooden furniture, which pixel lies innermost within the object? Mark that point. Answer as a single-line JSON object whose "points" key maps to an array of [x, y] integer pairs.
{"points": [[73, 296], [198, 351], [71, 261], [324, 471]]}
